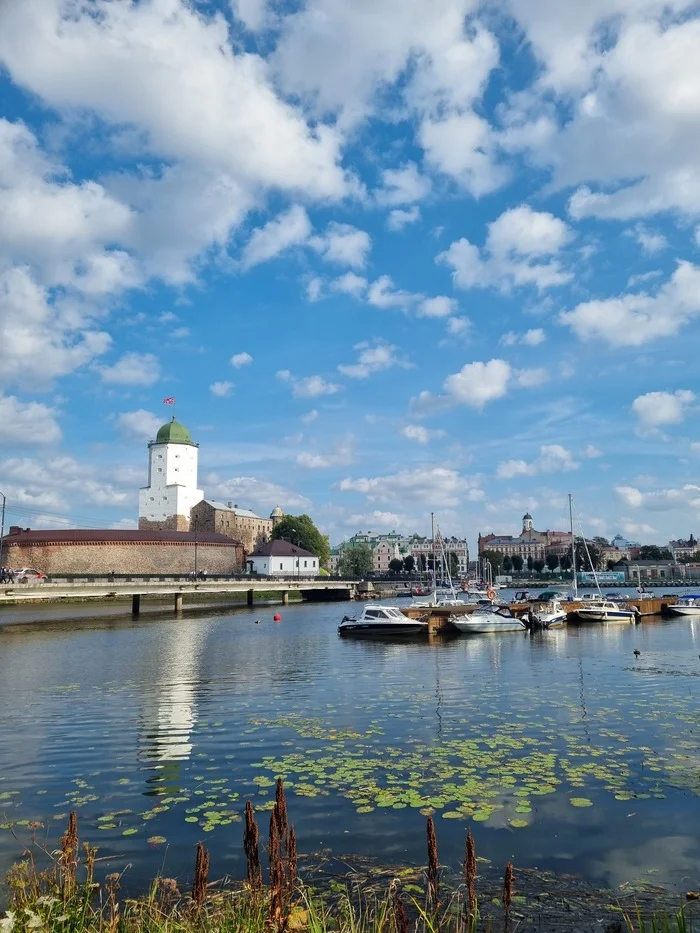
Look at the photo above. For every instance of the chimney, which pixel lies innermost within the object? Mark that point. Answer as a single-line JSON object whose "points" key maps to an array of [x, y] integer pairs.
{"points": [[228, 504]]}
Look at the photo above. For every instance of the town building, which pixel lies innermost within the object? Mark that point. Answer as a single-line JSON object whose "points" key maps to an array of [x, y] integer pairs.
{"points": [[280, 558], [529, 543], [393, 546], [91, 551], [623, 544], [385, 548], [165, 503], [226, 518], [684, 550], [613, 555], [456, 552], [638, 572]]}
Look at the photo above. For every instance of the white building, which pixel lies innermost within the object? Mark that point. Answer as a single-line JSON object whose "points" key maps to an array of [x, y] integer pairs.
{"points": [[279, 558], [165, 503]]}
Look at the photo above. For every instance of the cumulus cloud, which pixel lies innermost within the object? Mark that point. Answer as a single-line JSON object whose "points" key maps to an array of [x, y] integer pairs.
{"points": [[27, 422], [531, 338], [241, 359], [343, 244], [419, 434], [661, 500], [308, 386], [436, 486], [288, 229], [520, 248], [342, 455], [61, 481], [440, 306], [373, 357], [400, 218], [253, 492], [133, 369], [141, 425], [350, 284], [403, 185], [221, 389], [477, 384], [633, 319], [650, 242], [658, 408], [553, 458]]}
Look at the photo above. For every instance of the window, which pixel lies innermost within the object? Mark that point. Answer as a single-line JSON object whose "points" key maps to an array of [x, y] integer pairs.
{"points": [[305, 563], [281, 567]]}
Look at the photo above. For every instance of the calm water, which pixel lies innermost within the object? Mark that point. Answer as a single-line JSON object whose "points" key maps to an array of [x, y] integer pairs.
{"points": [[562, 750]]}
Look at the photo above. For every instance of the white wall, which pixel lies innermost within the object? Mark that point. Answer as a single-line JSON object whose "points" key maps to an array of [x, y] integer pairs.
{"points": [[173, 489], [285, 566]]}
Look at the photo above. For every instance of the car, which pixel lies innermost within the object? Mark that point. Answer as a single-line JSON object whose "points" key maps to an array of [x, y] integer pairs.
{"points": [[29, 575]]}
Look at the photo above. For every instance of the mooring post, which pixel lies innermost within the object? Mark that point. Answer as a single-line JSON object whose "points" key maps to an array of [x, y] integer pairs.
{"points": [[251, 593], [285, 598], [178, 602], [135, 604]]}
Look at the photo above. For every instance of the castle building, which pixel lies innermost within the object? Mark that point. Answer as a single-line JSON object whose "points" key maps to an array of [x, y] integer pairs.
{"points": [[166, 502], [240, 524], [529, 543]]}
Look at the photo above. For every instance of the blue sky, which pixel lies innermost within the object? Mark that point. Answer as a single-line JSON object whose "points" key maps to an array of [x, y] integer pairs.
{"points": [[390, 256]]}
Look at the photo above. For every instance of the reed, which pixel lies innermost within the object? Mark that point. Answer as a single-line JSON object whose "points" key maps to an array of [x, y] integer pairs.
{"points": [[470, 874], [433, 892], [201, 875], [508, 891], [251, 847]]}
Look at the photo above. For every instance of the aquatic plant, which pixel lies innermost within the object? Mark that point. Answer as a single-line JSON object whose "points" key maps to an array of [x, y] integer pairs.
{"points": [[201, 874]]}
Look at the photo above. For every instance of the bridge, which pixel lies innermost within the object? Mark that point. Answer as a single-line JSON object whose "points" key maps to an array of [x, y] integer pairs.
{"points": [[160, 588]]}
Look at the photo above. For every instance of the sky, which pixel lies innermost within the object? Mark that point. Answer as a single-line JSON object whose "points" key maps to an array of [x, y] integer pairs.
{"points": [[389, 256]]}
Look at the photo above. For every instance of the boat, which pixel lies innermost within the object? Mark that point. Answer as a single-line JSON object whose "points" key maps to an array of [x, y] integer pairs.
{"points": [[686, 605], [382, 620], [551, 614], [488, 618], [605, 610]]}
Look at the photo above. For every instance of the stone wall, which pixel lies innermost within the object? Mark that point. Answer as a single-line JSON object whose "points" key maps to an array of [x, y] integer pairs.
{"points": [[252, 532], [172, 523], [124, 557]]}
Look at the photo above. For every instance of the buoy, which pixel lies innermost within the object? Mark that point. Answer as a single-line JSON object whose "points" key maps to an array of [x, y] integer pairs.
{"points": [[637, 652], [277, 617], [491, 594]]}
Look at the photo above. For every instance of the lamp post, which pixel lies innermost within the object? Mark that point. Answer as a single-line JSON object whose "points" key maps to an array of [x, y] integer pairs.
{"points": [[2, 526], [295, 564], [195, 548]]}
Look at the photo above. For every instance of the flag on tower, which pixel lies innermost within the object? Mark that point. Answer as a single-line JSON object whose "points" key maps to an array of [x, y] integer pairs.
{"points": [[170, 400]]}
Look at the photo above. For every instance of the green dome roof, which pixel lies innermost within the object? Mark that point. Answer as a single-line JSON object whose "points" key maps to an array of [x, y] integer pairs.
{"points": [[173, 433]]}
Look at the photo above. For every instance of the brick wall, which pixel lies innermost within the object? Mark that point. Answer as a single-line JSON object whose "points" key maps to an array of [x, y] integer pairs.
{"points": [[171, 523], [122, 557], [252, 532]]}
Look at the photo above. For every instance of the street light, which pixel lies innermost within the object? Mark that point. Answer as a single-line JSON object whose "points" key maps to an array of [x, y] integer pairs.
{"points": [[2, 526]]}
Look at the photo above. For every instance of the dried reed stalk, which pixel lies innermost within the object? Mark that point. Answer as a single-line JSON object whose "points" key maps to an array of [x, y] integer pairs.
{"points": [[276, 872], [69, 854], [508, 889], [470, 872], [291, 846], [281, 808], [251, 847], [433, 867], [201, 872], [401, 923]]}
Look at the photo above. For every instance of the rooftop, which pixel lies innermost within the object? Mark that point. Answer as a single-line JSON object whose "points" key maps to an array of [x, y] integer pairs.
{"points": [[224, 507], [278, 547], [19, 536], [174, 433]]}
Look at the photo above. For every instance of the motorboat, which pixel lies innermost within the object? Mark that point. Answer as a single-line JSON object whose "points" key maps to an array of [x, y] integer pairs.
{"points": [[551, 614], [382, 620], [686, 605], [488, 618], [605, 610]]}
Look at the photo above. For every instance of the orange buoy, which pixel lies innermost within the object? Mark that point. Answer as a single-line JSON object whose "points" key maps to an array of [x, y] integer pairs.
{"points": [[277, 617], [491, 594]]}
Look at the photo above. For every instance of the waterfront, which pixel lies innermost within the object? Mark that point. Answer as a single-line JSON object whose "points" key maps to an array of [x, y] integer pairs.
{"points": [[563, 751]]}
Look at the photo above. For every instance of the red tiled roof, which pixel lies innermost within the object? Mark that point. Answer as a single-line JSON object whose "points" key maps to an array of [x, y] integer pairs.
{"points": [[111, 536], [278, 547]]}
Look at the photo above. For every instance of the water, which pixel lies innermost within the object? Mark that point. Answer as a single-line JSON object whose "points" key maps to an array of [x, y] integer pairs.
{"points": [[164, 727]]}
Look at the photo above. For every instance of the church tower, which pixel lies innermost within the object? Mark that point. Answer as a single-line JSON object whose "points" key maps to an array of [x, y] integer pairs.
{"points": [[164, 505], [527, 523]]}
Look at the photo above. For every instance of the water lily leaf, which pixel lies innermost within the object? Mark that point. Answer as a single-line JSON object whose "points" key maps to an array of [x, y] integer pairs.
{"points": [[580, 802]]}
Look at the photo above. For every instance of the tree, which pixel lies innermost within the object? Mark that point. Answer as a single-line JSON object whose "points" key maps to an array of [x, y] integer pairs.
{"points": [[530, 562], [538, 565], [565, 562], [652, 552], [409, 562], [396, 565], [355, 560], [300, 530], [517, 562], [507, 564], [453, 564], [583, 563], [552, 561], [610, 564], [495, 557]]}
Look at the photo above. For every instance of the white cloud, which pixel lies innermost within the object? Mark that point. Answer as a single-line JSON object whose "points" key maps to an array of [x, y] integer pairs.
{"points": [[657, 408], [341, 455], [350, 284], [384, 294], [133, 369], [531, 378], [308, 386], [418, 433], [180, 333], [375, 519], [634, 319], [518, 252], [343, 244], [314, 289], [252, 492], [531, 338], [553, 458], [477, 384], [440, 306], [591, 452], [403, 185], [399, 218], [140, 424], [436, 486], [458, 326], [221, 389], [288, 229], [650, 242], [251, 13], [241, 359], [27, 422], [310, 416], [661, 500], [373, 357], [59, 481]]}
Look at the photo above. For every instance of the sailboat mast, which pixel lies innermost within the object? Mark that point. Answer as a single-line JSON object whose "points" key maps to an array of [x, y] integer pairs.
{"points": [[432, 539], [573, 546]]}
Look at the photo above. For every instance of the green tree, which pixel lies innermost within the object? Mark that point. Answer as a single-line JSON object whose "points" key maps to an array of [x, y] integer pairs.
{"points": [[565, 562], [538, 565], [495, 557], [300, 530], [582, 558], [552, 561], [396, 565], [530, 562], [507, 564], [409, 563], [610, 564], [652, 552], [517, 562], [453, 564], [355, 560]]}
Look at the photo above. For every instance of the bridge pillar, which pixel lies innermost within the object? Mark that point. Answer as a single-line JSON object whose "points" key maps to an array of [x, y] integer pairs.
{"points": [[285, 598], [251, 593], [178, 602], [135, 604]]}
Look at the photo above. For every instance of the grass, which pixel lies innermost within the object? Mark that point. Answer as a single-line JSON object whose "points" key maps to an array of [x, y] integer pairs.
{"points": [[66, 897]]}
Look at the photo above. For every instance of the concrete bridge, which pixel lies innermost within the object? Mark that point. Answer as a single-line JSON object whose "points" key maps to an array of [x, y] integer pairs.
{"points": [[325, 588]]}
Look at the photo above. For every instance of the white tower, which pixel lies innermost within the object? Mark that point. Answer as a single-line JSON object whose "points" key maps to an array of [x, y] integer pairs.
{"points": [[165, 503], [527, 523]]}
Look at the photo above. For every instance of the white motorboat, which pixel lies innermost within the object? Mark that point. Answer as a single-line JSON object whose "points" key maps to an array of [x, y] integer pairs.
{"points": [[551, 614], [686, 605], [605, 610], [489, 618], [382, 620]]}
